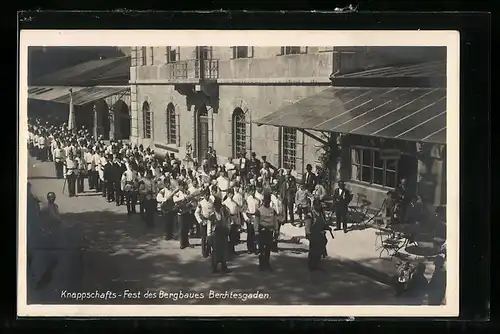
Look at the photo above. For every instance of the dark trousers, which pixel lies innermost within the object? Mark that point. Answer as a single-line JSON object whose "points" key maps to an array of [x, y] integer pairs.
{"points": [[251, 242], [317, 245], [71, 181], [206, 249], [131, 200], [104, 188], [98, 182], [341, 215], [234, 237], [42, 153], [91, 179], [149, 212], [266, 241], [50, 157], [119, 196], [184, 222], [301, 211], [289, 214], [59, 169], [110, 191], [80, 184], [169, 218]]}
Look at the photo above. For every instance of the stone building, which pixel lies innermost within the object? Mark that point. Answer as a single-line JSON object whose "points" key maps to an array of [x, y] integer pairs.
{"points": [[272, 101]]}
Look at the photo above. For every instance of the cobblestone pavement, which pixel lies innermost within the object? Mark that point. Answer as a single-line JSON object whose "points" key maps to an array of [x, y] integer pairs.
{"points": [[120, 254]]}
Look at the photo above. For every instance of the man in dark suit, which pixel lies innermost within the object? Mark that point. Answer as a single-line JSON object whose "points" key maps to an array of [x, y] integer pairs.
{"points": [[287, 194], [342, 198], [309, 178]]}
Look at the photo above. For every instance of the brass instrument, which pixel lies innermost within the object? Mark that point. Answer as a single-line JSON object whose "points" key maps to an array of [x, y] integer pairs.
{"points": [[188, 203]]}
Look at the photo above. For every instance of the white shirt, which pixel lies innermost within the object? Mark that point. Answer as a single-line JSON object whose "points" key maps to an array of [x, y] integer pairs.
{"points": [[276, 204], [163, 195], [58, 153], [229, 166], [179, 196], [231, 206], [259, 196], [252, 204], [204, 210], [223, 183], [238, 198], [193, 190], [41, 141]]}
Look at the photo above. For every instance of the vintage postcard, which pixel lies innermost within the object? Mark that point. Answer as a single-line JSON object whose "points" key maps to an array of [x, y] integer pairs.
{"points": [[175, 173]]}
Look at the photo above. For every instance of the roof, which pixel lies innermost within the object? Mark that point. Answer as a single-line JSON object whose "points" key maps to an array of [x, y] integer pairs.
{"points": [[428, 74], [94, 72], [81, 95], [414, 114]]}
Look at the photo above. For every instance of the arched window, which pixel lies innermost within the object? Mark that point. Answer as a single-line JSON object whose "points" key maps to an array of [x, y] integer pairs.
{"points": [[171, 124], [239, 131], [289, 148], [147, 120]]}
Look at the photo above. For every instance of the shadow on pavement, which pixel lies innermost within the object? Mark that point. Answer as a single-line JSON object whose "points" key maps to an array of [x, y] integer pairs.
{"points": [[120, 253]]}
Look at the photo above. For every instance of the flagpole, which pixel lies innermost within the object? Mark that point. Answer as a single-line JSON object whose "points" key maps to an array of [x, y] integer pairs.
{"points": [[71, 118]]}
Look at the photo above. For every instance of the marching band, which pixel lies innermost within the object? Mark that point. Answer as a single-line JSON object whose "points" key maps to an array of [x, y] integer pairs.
{"points": [[215, 202]]}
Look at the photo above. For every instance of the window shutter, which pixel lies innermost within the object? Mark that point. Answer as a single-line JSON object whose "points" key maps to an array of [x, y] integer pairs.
{"points": [[303, 49], [178, 127], [282, 51], [230, 136], [152, 55], [233, 49], [250, 51], [177, 53], [167, 55], [133, 57], [248, 131], [299, 160], [277, 147]]}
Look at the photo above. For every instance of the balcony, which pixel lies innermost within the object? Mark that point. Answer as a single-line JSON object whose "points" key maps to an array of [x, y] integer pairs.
{"points": [[191, 69]]}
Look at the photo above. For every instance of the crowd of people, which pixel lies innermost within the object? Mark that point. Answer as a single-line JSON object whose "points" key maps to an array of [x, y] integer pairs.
{"points": [[209, 199]]}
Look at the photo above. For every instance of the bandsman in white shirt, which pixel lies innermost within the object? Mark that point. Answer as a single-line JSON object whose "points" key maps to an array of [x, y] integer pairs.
{"points": [[235, 216], [96, 159], [223, 184], [277, 205], [230, 168], [184, 214], [130, 186], [89, 161], [59, 158], [71, 167], [251, 207], [166, 202], [42, 148], [202, 214]]}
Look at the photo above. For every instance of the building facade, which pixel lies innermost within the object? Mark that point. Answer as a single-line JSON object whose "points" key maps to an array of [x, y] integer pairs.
{"points": [[210, 96]]}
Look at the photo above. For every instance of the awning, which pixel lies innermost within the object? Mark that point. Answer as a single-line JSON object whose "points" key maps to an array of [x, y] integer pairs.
{"points": [[81, 95], [414, 114]]}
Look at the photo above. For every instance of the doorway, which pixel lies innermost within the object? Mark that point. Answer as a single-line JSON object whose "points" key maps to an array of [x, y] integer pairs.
{"points": [[123, 119], [202, 140], [103, 123]]}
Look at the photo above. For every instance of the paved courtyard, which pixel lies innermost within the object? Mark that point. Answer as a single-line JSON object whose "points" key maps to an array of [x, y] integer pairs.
{"points": [[112, 252]]}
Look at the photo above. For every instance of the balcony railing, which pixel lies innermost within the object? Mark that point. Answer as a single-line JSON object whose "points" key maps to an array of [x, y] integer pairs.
{"points": [[191, 69]]}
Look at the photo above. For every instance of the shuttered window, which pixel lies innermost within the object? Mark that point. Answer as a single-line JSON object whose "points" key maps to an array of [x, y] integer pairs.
{"points": [[171, 124], [242, 52], [239, 127], [289, 148], [293, 50], [147, 121], [173, 54], [143, 55]]}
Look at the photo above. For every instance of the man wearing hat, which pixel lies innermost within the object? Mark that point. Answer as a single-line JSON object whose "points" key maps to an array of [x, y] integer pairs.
{"points": [[108, 189], [287, 192], [235, 217], [342, 197], [254, 164], [316, 228], [71, 167]]}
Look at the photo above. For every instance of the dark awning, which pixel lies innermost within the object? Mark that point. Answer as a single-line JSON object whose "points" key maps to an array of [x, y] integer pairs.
{"points": [[414, 114], [81, 95]]}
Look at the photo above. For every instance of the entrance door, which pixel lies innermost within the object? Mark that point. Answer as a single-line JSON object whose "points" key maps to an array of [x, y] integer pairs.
{"points": [[202, 133]]}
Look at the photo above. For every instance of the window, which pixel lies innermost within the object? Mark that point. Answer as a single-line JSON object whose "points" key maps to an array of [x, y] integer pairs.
{"points": [[147, 121], [171, 124], [239, 131], [242, 52], [152, 55], [172, 54], [206, 52], [143, 55], [367, 166], [289, 148], [293, 50]]}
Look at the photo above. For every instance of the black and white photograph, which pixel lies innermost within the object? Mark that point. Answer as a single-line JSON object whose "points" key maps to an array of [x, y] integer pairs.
{"points": [[186, 179]]}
